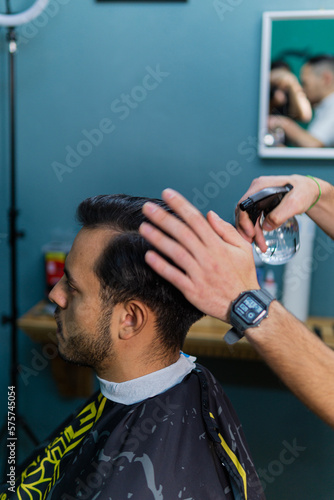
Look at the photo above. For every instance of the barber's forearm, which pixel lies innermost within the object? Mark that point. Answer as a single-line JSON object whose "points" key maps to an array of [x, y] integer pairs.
{"points": [[299, 136], [322, 213], [300, 106], [300, 359]]}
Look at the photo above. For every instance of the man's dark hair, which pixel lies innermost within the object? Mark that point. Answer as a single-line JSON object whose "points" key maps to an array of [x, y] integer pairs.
{"points": [[123, 272], [280, 64], [321, 62]]}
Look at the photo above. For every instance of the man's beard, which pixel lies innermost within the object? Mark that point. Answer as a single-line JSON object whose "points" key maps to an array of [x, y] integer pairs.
{"points": [[81, 348]]}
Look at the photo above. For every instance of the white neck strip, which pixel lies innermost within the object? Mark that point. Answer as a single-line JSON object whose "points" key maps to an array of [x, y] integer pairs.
{"points": [[148, 386]]}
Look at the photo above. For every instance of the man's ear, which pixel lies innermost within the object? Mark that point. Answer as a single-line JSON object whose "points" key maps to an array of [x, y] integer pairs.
{"points": [[134, 316], [327, 77]]}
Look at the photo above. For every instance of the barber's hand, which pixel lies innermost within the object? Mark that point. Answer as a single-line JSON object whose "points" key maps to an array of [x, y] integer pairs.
{"points": [[275, 121], [217, 262], [297, 201], [283, 79]]}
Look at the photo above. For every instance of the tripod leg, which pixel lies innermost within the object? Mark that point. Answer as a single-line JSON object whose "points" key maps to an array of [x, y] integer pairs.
{"points": [[27, 430]]}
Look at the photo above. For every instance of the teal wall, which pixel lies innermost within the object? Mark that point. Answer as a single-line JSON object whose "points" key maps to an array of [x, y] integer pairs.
{"points": [[74, 67], [307, 37]]}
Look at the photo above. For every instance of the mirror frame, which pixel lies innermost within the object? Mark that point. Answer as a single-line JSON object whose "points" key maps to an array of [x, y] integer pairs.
{"points": [[277, 152]]}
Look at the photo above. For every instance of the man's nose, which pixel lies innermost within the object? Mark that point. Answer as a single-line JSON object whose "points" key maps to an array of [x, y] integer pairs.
{"points": [[58, 296]]}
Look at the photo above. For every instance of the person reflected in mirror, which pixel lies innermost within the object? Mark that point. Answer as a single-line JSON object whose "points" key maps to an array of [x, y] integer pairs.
{"points": [[317, 78], [287, 96]]}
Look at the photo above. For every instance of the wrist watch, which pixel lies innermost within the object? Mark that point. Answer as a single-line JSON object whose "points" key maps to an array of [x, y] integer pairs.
{"points": [[247, 311]]}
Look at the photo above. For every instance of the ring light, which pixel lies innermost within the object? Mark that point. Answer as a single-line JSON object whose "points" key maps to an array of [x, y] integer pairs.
{"points": [[26, 16]]}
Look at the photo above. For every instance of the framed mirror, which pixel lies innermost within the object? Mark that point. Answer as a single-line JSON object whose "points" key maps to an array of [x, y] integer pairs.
{"points": [[296, 113]]}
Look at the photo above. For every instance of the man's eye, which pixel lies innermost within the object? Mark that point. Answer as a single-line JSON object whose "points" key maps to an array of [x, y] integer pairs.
{"points": [[69, 286]]}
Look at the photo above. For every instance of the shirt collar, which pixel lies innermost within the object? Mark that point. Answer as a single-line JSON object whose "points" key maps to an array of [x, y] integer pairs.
{"points": [[148, 386], [325, 101]]}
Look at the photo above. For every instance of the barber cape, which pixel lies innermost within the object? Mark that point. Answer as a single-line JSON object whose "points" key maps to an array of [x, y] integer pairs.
{"points": [[185, 443]]}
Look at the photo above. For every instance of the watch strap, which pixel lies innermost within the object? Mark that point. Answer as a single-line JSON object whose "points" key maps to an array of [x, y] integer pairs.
{"points": [[233, 336], [263, 295]]}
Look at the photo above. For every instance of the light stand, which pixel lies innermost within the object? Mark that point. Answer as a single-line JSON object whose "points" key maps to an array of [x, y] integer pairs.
{"points": [[14, 234], [12, 20]]}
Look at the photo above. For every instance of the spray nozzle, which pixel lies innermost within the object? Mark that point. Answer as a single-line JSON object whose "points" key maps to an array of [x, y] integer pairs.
{"points": [[264, 201]]}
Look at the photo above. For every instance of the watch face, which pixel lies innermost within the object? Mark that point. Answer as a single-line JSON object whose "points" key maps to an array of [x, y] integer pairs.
{"points": [[249, 309]]}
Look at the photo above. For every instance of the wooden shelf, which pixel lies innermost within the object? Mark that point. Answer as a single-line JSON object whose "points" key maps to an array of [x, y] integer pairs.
{"points": [[205, 338]]}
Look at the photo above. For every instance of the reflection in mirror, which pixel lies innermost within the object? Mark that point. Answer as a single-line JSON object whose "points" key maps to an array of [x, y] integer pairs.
{"points": [[297, 85]]}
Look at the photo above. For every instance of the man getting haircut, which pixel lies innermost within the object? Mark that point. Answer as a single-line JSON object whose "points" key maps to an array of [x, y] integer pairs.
{"points": [[161, 426]]}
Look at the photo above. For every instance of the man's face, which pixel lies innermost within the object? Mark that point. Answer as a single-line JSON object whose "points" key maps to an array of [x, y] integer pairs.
{"points": [[84, 335], [312, 84]]}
